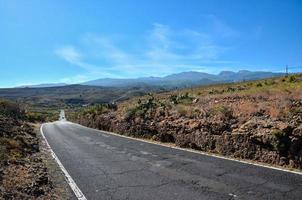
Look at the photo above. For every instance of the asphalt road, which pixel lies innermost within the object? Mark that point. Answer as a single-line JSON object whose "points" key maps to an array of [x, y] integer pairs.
{"points": [[105, 166]]}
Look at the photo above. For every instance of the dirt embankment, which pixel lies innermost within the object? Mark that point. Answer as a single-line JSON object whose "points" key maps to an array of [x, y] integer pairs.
{"points": [[24, 173], [246, 121]]}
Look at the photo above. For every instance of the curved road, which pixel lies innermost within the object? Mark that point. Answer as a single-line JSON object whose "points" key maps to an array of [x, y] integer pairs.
{"points": [[105, 166]]}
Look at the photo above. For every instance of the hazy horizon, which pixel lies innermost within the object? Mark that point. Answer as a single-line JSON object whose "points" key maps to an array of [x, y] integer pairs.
{"points": [[141, 77]]}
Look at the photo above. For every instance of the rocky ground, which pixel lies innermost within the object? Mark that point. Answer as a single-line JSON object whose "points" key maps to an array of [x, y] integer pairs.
{"points": [[26, 169], [260, 121]]}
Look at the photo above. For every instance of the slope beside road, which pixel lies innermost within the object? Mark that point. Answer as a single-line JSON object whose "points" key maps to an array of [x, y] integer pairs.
{"points": [[106, 166]]}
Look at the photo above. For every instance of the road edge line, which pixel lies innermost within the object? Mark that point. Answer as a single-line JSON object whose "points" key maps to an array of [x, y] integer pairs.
{"points": [[76, 190], [197, 152]]}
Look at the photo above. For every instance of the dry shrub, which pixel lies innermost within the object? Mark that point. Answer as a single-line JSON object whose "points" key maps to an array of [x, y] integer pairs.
{"points": [[188, 111], [280, 104], [274, 112], [182, 110], [16, 175], [220, 112], [246, 108]]}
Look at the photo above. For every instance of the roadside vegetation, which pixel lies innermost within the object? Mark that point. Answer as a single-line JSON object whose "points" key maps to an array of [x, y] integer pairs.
{"points": [[257, 120]]}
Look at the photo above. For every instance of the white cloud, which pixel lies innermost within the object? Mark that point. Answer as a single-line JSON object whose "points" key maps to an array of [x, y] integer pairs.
{"points": [[73, 56], [164, 50], [109, 51], [75, 79], [69, 53]]}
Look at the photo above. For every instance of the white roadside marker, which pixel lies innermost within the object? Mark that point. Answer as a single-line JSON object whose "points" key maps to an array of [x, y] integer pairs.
{"points": [[78, 193]]}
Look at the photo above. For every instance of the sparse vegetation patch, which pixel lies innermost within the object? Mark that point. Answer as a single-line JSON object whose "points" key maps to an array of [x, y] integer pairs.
{"points": [[259, 120]]}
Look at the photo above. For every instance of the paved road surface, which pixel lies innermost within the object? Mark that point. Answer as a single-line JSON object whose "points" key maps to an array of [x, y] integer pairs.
{"points": [[106, 166]]}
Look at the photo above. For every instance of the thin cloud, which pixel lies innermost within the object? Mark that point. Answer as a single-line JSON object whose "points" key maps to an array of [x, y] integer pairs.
{"points": [[109, 51], [220, 27], [164, 50], [73, 56], [69, 53]]}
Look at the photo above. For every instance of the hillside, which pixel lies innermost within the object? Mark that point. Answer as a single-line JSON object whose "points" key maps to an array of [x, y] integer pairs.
{"points": [[256, 120], [23, 170], [45, 100], [72, 95]]}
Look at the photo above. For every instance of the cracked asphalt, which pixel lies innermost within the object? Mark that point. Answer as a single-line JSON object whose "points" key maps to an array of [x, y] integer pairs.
{"points": [[106, 166]]}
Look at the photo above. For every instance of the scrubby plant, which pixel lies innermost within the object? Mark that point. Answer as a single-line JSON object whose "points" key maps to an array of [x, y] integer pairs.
{"points": [[214, 91], [278, 133], [291, 79], [221, 112], [173, 99], [282, 141], [230, 89], [183, 98], [219, 109], [11, 109], [144, 107], [182, 110], [259, 85], [96, 109], [296, 110], [269, 82], [187, 111], [35, 117]]}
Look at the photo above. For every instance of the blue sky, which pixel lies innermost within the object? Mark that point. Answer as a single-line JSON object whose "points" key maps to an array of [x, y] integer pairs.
{"points": [[75, 41]]}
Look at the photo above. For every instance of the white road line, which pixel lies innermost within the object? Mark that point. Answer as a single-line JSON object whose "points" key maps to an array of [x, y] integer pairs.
{"points": [[78, 193], [196, 151]]}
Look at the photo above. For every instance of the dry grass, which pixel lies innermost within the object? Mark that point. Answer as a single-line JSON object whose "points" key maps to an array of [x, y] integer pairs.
{"points": [[271, 96], [16, 175], [245, 108]]}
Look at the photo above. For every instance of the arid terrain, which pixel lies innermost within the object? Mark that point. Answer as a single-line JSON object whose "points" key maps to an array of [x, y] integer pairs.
{"points": [[26, 167], [147, 100], [257, 120]]}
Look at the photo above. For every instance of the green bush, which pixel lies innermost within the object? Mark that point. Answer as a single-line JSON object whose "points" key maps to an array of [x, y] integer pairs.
{"points": [[278, 133], [173, 99], [183, 98], [221, 111], [35, 117], [283, 141], [291, 79], [259, 85], [143, 107], [269, 82], [96, 109]]}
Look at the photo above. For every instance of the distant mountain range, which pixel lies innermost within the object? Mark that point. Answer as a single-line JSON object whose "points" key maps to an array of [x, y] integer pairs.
{"points": [[183, 79]]}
